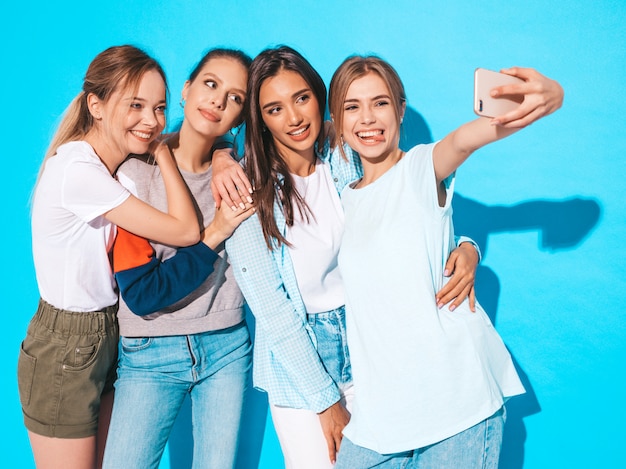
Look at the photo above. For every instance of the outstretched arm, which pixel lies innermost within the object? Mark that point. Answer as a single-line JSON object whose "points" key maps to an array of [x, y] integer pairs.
{"points": [[542, 96]]}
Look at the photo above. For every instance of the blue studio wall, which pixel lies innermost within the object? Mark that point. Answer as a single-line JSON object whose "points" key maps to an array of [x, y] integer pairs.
{"points": [[546, 205]]}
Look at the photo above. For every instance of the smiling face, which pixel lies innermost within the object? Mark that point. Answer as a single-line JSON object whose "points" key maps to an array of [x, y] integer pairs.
{"points": [[369, 120], [291, 113], [130, 120], [214, 100]]}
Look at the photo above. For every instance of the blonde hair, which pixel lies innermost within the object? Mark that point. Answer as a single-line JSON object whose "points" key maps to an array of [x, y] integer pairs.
{"points": [[356, 67], [118, 67]]}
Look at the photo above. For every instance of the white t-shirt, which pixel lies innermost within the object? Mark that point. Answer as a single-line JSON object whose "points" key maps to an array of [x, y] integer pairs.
{"points": [[421, 374], [71, 238], [315, 244]]}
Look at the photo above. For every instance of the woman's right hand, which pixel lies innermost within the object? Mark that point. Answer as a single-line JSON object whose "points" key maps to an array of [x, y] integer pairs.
{"points": [[224, 223], [333, 421], [229, 183]]}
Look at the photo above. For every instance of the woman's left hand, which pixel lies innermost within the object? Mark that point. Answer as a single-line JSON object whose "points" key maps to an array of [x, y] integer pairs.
{"points": [[461, 268], [542, 96]]}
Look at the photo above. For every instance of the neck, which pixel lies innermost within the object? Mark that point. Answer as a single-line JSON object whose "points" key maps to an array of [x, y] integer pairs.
{"points": [[300, 164], [110, 156], [374, 168], [193, 151]]}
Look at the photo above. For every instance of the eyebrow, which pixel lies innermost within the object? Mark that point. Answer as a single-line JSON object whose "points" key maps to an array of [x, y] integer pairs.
{"points": [[137, 98], [220, 81], [380, 96], [297, 93]]}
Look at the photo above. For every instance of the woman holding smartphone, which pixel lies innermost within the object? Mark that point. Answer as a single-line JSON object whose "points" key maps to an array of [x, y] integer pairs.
{"points": [[430, 385]]}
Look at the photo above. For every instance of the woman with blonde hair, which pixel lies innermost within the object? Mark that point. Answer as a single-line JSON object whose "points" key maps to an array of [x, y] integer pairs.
{"points": [[67, 360], [430, 384]]}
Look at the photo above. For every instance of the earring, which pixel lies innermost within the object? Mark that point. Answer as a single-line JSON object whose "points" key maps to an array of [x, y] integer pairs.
{"points": [[182, 103]]}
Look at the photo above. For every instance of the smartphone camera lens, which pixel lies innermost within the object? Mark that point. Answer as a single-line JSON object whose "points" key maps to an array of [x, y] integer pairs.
{"points": [[480, 105]]}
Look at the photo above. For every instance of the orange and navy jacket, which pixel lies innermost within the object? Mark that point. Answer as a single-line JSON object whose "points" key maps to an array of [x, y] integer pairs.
{"points": [[148, 284]]}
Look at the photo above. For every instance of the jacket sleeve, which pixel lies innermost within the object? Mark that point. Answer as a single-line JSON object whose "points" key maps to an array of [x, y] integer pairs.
{"points": [[147, 284], [277, 318]]}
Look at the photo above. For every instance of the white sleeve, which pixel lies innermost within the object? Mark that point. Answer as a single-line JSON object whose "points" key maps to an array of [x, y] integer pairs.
{"points": [[89, 190]]}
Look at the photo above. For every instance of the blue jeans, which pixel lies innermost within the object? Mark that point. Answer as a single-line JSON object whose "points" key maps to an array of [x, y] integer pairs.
{"points": [[477, 447], [154, 376], [329, 329]]}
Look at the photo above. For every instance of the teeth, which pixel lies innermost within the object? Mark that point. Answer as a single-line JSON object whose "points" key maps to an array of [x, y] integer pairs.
{"points": [[370, 133], [141, 134], [295, 133]]}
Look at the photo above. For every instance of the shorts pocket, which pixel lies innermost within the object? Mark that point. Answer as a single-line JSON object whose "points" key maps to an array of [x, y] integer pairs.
{"points": [[80, 356], [25, 375]]}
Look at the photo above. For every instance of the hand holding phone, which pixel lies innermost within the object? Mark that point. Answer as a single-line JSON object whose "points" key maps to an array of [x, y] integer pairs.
{"points": [[484, 104]]}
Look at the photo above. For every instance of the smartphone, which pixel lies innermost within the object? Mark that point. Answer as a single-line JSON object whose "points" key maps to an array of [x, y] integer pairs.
{"points": [[484, 105]]}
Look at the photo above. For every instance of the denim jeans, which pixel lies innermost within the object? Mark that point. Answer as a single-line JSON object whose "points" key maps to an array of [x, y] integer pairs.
{"points": [[154, 376], [329, 329], [477, 447]]}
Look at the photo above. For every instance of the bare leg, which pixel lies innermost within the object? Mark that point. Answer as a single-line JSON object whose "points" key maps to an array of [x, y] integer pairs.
{"points": [[104, 419], [63, 453]]}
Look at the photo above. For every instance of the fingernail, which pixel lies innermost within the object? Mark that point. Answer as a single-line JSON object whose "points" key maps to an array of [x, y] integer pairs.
{"points": [[439, 305], [452, 308], [251, 191], [242, 205], [446, 273], [234, 208], [249, 200]]}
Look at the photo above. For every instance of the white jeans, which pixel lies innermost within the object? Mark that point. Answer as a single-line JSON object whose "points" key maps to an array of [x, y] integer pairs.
{"points": [[300, 434]]}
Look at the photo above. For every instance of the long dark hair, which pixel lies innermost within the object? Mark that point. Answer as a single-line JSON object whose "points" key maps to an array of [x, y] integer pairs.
{"points": [[265, 167]]}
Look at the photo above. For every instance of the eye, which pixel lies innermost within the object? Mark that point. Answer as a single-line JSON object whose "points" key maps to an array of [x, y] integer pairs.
{"points": [[303, 99], [274, 110], [161, 108], [350, 107], [381, 102], [236, 99], [136, 105], [211, 84]]}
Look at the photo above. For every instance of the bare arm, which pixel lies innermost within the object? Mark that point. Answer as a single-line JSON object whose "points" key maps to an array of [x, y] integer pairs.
{"points": [[542, 96], [178, 227]]}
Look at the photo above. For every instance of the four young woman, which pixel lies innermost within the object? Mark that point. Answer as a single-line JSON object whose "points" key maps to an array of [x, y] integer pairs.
{"points": [[190, 338]]}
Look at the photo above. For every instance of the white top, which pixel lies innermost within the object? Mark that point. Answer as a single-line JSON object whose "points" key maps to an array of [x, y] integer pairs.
{"points": [[421, 374], [71, 238], [315, 244]]}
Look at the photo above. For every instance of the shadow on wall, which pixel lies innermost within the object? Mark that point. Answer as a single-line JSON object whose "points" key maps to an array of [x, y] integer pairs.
{"points": [[562, 225]]}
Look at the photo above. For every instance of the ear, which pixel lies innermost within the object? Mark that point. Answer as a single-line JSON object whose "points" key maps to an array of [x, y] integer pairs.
{"points": [[94, 104], [185, 90]]}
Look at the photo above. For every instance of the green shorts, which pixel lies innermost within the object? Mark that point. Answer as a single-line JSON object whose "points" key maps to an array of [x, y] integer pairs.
{"points": [[67, 362]]}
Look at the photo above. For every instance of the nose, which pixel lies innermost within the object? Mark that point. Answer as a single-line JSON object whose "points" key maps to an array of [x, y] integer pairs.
{"points": [[150, 118], [219, 100], [367, 115], [295, 117]]}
